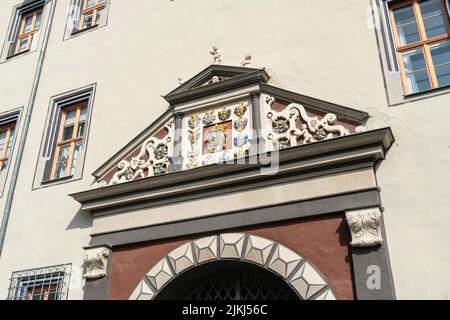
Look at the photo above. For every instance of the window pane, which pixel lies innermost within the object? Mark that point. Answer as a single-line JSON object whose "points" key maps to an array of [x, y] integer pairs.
{"points": [[2, 140], [87, 22], [23, 44], [443, 75], [418, 81], [28, 22], [435, 26], [99, 15], [70, 117], [430, 8], [37, 25], [10, 142], [404, 15], [440, 53], [83, 113], [414, 61], [67, 133], [408, 34], [90, 3], [81, 127], [61, 165], [78, 147]]}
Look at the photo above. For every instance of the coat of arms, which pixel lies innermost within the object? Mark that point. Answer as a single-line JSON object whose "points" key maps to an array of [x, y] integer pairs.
{"points": [[216, 138]]}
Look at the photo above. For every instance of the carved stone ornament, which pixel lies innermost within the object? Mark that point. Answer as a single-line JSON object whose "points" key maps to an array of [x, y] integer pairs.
{"points": [[96, 261], [247, 61], [283, 130], [364, 226], [215, 52], [153, 159]]}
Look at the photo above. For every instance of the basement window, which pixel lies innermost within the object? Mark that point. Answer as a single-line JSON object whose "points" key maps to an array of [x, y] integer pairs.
{"points": [[50, 283]]}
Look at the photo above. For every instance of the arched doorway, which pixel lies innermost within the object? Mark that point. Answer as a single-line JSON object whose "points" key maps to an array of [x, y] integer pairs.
{"points": [[233, 266], [227, 280]]}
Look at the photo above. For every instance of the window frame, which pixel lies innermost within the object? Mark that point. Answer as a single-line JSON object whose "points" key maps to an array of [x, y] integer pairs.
{"points": [[424, 43], [60, 143], [50, 134], [94, 10], [3, 156], [15, 30], [28, 35]]}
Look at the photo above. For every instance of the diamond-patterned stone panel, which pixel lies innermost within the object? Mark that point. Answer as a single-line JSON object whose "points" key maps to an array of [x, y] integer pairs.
{"points": [[307, 281], [142, 292], [231, 245], [284, 261], [181, 258], [160, 274], [258, 249], [326, 295], [205, 249]]}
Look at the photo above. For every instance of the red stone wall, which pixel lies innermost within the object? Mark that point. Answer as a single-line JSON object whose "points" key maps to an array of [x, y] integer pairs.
{"points": [[324, 242]]}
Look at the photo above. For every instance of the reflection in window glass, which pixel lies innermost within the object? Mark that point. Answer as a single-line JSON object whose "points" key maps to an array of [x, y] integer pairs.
{"points": [[418, 81]]}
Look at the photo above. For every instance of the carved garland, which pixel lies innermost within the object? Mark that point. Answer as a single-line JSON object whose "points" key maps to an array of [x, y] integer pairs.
{"points": [[158, 154]]}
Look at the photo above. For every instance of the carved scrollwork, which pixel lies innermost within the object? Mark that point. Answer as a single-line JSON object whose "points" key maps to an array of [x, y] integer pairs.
{"points": [[152, 159], [284, 131], [95, 261], [364, 226]]}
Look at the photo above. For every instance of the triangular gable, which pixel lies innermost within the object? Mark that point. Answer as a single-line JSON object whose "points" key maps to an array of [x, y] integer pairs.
{"points": [[288, 120], [204, 82]]}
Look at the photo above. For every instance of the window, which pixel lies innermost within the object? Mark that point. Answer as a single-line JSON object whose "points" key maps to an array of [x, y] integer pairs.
{"points": [[70, 140], [421, 31], [91, 13], [25, 28], [86, 15], [31, 22], [40, 284], [65, 138], [6, 141], [8, 124]]}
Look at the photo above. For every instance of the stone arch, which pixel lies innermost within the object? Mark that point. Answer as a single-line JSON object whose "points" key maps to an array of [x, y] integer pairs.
{"points": [[268, 254]]}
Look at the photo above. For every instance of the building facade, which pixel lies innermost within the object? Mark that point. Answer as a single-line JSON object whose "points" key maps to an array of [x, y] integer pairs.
{"points": [[216, 150]]}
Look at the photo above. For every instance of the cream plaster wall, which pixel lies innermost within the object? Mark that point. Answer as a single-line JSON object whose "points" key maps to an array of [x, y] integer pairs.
{"points": [[321, 48]]}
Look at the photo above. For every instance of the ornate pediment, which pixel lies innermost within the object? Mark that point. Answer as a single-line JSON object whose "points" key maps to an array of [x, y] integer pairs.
{"points": [[216, 78], [212, 122]]}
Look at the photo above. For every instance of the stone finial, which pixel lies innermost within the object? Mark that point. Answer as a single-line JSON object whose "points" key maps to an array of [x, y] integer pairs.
{"points": [[95, 260], [365, 227], [247, 61], [215, 52]]}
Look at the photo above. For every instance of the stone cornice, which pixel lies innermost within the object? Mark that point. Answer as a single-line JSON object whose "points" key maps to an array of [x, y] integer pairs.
{"points": [[238, 81], [316, 104], [369, 147]]}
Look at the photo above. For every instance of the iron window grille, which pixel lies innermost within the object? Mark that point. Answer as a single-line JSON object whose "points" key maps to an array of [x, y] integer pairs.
{"points": [[49, 283]]}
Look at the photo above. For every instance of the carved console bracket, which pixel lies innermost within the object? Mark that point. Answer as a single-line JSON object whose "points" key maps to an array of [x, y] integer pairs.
{"points": [[96, 260], [364, 226]]}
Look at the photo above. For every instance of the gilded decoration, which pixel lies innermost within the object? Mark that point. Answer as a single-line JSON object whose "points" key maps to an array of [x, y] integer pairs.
{"points": [[225, 134], [216, 138]]}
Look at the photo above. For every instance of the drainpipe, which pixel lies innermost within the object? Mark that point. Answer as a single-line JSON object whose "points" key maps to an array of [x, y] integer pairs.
{"points": [[26, 125]]}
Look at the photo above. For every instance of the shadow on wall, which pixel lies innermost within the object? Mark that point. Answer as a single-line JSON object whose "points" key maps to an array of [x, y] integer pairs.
{"points": [[81, 220]]}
